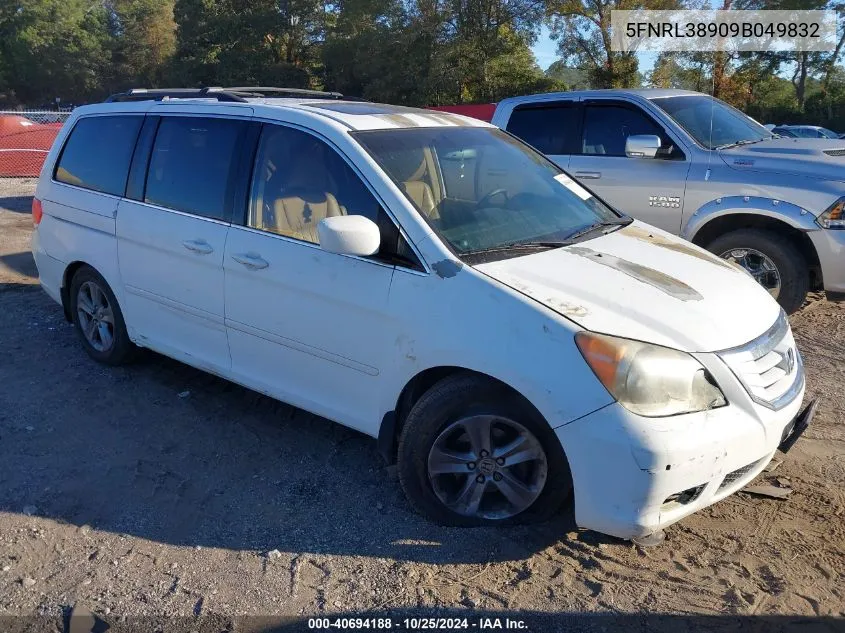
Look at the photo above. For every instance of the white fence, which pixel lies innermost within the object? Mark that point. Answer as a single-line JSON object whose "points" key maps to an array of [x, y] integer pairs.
{"points": [[25, 138]]}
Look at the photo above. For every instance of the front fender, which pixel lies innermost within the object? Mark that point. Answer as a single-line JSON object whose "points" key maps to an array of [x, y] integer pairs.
{"points": [[791, 214]]}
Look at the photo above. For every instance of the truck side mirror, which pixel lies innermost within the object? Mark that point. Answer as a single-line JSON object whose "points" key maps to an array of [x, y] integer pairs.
{"points": [[642, 146]]}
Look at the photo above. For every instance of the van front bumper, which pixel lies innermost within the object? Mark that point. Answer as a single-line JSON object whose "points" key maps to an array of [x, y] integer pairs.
{"points": [[634, 476]]}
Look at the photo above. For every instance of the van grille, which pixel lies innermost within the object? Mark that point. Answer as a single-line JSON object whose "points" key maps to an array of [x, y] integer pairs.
{"points": [[769, 367], [835, 152]]}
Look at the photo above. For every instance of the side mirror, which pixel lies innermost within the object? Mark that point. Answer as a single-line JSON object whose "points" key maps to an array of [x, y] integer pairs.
{"points": [[642, 146], [349, 235]]}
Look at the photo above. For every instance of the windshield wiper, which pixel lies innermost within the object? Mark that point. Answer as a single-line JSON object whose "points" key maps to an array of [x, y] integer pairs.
{"points": [[739, 143], [606, 226], [514, 246]]}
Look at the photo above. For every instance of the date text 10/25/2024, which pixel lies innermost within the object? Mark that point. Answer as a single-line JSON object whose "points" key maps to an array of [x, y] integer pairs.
{"points": [[419, 623]]}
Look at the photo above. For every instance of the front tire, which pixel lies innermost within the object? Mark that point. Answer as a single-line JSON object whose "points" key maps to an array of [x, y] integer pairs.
{"points": [[97, 318], [474, 453], [772, 259]]}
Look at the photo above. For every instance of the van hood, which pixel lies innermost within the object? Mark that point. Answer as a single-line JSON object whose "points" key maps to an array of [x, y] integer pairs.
{"points": [[642, 283], [814, 158]]}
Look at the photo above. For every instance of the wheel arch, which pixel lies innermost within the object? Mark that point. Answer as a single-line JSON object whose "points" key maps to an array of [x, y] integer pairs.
{"points": [[67, 278], [393, 421], [716, 224]]}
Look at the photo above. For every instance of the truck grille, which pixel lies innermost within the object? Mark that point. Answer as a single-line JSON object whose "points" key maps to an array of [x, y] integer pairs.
{"points": [[769, 367]]}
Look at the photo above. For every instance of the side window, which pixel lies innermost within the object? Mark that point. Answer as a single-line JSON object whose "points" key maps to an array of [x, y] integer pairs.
{"points": [[192, 165], [298, 180], [549, 128], [97, 153], [607, 127]]}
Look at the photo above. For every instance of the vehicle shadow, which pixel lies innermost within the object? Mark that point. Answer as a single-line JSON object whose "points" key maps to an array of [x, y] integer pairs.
{"points": [[20, 263], [164, 452], [17, 204]]}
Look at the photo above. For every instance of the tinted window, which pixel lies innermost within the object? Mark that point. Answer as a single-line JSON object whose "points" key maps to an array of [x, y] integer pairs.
{"points": [[550, 129], [97, 154], [606, 128], [192, 165]]}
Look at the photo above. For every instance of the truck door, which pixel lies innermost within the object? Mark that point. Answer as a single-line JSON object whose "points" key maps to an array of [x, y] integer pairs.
{"points": [[649, 189]]}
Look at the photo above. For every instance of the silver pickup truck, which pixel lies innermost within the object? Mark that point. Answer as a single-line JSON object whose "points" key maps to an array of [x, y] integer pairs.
{"points": [[693, 165]]}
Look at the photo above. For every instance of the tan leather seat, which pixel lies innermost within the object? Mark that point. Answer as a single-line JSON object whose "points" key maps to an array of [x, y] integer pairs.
{"points": [[420, 193], [306, 196], [297, 214]]}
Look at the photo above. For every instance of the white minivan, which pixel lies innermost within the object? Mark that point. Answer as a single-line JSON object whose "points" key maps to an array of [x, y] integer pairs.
{"points": [[428, 280]]}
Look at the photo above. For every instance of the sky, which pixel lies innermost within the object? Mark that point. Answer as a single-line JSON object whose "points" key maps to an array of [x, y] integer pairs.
{"points": [[545, 50]]}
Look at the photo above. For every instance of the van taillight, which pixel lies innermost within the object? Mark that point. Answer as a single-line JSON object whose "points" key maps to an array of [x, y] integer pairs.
{"points": [[37, 211]]}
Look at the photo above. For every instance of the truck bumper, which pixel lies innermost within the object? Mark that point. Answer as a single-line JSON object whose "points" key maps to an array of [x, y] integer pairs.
{"points": [[830, 247]]}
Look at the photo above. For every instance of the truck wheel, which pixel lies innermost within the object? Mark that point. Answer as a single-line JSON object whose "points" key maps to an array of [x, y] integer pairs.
{"points": [[472, 453], [97, 318], [772, 259]]}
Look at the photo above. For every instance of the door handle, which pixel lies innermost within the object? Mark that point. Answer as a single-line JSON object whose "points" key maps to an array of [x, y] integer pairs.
{"points": [[588, 174], [253, 262], [201, 247]]}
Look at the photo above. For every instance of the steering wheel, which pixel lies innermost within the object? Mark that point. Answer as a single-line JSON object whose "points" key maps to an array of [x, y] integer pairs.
{"points": [[487, 197]]}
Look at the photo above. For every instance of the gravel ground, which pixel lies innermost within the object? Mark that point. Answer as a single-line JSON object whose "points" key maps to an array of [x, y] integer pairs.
{"points": [[160, 498]]}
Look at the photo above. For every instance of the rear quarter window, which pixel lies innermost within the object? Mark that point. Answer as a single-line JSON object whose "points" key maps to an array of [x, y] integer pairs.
{"points": [[97, 153]]}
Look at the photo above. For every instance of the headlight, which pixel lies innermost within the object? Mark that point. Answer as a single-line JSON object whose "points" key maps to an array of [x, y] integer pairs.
{"points": [[834, 217], [649, 380]]}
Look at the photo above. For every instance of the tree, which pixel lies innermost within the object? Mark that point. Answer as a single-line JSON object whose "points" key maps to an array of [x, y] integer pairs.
{"points": [[54, 48], [582, 28], [143, 42]]}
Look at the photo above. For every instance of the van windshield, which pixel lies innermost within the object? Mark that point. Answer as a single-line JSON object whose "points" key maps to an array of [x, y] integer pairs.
{"points": [[484, 191], [711, 122]]}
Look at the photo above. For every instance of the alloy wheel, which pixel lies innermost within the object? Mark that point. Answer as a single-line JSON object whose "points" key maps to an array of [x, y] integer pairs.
{"points": [[96, 317], [487, 466], [758, 265]]}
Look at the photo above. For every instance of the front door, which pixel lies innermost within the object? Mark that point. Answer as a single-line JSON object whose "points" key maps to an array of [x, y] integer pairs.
{"points": [[307, 326], [171, 238], [651, 190]]}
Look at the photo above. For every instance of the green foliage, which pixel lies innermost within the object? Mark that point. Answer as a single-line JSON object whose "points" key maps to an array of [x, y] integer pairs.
{"points": [[413, 52], [582, 29]]}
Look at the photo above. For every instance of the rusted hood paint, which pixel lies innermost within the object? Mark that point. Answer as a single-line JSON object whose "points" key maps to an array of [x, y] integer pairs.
{"points": [[645, 284]]}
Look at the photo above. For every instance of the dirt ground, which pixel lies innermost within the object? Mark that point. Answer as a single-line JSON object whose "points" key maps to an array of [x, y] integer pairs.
{"points": [[157, 496]]}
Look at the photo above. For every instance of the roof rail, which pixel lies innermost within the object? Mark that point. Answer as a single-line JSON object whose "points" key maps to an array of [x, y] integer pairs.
{"points": [[236, 94], [160, 94], [269, 91]]}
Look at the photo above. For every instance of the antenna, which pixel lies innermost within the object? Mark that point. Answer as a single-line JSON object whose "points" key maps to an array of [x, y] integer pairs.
{"points": [[712, 110]]}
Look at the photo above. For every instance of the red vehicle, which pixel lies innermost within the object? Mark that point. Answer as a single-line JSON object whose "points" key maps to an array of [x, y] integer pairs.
{"points": [[482, 111], [24, 145]]}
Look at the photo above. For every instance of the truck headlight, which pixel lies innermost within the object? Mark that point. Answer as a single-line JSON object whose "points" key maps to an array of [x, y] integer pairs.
{"points": [[649, 380], [834, 217]]}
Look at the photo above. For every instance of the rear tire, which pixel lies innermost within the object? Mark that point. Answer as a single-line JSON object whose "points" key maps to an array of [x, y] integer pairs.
{"points": [[537, 476], [97, 318], [790, 265]]}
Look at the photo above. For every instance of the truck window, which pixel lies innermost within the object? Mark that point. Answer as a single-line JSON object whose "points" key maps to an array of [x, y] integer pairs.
{"points": [[550, 128], [97, 154], [607, 127]]}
